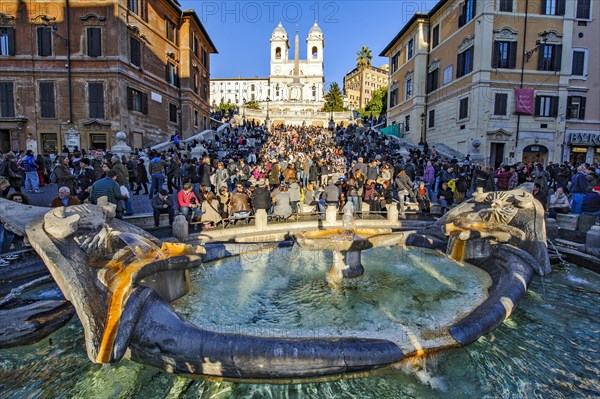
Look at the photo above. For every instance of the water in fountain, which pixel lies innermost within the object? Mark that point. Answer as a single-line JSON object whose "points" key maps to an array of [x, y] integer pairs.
{"points": [[15, 292], [547, 349], [140, 246]]}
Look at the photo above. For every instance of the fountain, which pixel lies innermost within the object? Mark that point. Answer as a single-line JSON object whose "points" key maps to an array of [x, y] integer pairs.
{"points": [[109, 271]]}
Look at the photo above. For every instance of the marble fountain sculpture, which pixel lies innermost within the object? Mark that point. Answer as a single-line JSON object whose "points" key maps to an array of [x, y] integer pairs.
{"points": [[120, 281]]}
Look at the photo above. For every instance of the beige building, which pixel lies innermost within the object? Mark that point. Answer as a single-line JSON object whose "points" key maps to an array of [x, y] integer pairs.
{"points": [[456, 74], [359, 85], [76, 73]]}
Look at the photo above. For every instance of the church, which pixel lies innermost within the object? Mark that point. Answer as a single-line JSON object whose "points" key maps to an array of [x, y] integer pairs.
{"points": [[294, 91]]}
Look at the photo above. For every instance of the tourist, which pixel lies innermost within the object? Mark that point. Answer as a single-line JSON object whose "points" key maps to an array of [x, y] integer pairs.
{"points": [[173, 172], [371, 196], [32, 179], [423, 197], [221, 176], [540, 194], [108, 187], [591, 202], [162, 203], [224, 201], [141, 177], [559, 203], [187, 200], [281, 200], [579, 187], [239, 205], [211, 216], [503, 177], [330, 197], [445, 197], [84, 180], [294, 191], [405, 185], [157, 173], [64, 198], [64, 178], [10, 170], [261, 197]]}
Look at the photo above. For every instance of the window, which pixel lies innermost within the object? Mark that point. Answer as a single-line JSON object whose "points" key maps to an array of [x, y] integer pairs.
{"points": [[393, 98], [135, 6], [195, 82], [172, 75], [44, 41], [170, 30], [278, 53], [137, 101], [463, 109], [409, 89], [410, 50], [7, 41], [172, 113], [205, 57], [47, 100], [96, 100], [135, 51], [576, 107], [7, 100], [448, 73], [433, 80], [195, 45], [553, 7], [395, 62], [579, 67], [500, 104], [196, 120], [407, 123], [205, 91], [435, 40], [432, 118], [506, 5], [94, 42], [315, 52], [464, 63], [583, 9], [546, 106], [468, 11], [277, 90], [505, 55], [550, 57], [314, 91]]}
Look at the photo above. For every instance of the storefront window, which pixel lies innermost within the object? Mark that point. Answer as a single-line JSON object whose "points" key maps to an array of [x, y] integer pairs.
{"points": [[578, 155], [50, 142]]}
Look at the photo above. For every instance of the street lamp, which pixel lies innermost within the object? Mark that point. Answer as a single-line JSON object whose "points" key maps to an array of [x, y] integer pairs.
{"points": [[267, 119], [422, 142], [331, 122], [244, 110]]}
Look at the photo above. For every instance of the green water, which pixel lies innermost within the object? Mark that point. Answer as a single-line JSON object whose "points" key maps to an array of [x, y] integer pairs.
{"points": [[549, 348]]}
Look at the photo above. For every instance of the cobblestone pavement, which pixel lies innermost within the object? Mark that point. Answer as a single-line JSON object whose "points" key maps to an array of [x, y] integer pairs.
{"points": [[141, 203]]}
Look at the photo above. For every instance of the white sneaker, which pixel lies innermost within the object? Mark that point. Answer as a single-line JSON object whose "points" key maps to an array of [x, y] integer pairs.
{"points": [[4, 262]]}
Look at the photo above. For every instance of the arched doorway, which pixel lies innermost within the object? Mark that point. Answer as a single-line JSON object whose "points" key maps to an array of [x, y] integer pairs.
{"points": [[535, 153]]}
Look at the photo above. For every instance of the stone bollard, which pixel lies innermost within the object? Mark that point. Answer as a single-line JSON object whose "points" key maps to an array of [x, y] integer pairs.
{"points": [[330, 214], [180, 228], [551, 229], [260, 220], [392, 213], [592, 241]]}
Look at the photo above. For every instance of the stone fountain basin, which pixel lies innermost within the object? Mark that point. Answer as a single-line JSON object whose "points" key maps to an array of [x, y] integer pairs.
{"points": [[339, 239]]}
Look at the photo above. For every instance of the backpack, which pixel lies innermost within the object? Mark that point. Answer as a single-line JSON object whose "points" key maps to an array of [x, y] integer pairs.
{"points": [[53, 177]]}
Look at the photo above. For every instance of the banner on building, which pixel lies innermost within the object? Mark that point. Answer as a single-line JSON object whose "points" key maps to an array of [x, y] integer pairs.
{"points": [[524, 103]]}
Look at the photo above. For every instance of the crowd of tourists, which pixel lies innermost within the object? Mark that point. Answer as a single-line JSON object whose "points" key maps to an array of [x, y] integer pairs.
{"points": [[286, 171]]}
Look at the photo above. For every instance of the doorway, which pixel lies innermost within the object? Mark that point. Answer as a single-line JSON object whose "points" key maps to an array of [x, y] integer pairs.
{"points": [[535, 153], [4, 140], [496, 155], [98, 141]]}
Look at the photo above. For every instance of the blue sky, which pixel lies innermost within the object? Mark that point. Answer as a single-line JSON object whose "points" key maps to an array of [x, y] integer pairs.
{"points": [[241, 31]]}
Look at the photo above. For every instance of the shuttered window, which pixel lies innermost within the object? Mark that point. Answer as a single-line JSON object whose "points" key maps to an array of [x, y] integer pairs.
{"points": [[135, 52], [546, 106], [505, 55], [550, 57], [464, 63], [583, 9], [435, 40], [96, 100], [578, 68], [576, 107], [7, 100], [173, 113], [47, 100], [463, 110], [7, 41], [500, 103], [94, 42], [137, 101], [44, 41]]}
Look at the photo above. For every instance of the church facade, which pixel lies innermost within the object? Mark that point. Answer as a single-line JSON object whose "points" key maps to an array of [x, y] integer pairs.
{"points": [[293, 92]]}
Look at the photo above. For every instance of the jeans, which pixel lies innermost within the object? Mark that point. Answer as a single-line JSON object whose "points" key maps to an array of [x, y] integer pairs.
{"points": [[128, 203], [354, 201], [157, 182], [321, 205], [576, 202], [7, 238], [196, 212], [32, 181], [196, 189]]}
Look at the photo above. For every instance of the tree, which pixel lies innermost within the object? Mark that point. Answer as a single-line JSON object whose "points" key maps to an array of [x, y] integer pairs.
{"points": [[363, 58], [378, 103], [334, 101], [363, 61], [252, 104]]}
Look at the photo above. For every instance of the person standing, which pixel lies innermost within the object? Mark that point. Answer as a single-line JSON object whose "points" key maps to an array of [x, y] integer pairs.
{"points": [[32, 180], [10, 170], [142, 177], [64, 177], [123, 181], [157, 173], [579, 187]]}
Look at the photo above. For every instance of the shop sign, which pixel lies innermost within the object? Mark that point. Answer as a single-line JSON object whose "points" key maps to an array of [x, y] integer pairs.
{"points": [[583, 137]]}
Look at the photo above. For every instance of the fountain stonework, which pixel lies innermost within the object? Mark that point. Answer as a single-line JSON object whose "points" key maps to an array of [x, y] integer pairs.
{"points": [[109, 271]]}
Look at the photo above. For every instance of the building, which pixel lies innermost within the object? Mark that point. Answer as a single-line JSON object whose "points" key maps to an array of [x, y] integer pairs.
{"points": [[359, 85], [582, 134], [293, 93], [76, 73], [490, 72]]}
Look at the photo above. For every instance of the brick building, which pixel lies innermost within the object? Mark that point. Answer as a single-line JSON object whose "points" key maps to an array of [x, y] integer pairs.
{"points": [[359, 84], [77, 72]]}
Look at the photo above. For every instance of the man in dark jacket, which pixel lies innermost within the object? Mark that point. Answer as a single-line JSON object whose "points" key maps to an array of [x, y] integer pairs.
{"points": [[108, 187], [162, 203], [32, 181], [261, 197]]}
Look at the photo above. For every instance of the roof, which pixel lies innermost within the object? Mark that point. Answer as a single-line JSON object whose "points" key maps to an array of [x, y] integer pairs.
{"points": [[279, 30], [406, 27], [192, 13]]}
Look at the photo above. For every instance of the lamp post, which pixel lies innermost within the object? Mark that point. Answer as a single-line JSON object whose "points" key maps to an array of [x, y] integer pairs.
{"points": [[331, 122], [267, 119], [422, 142], [244, 110]]}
